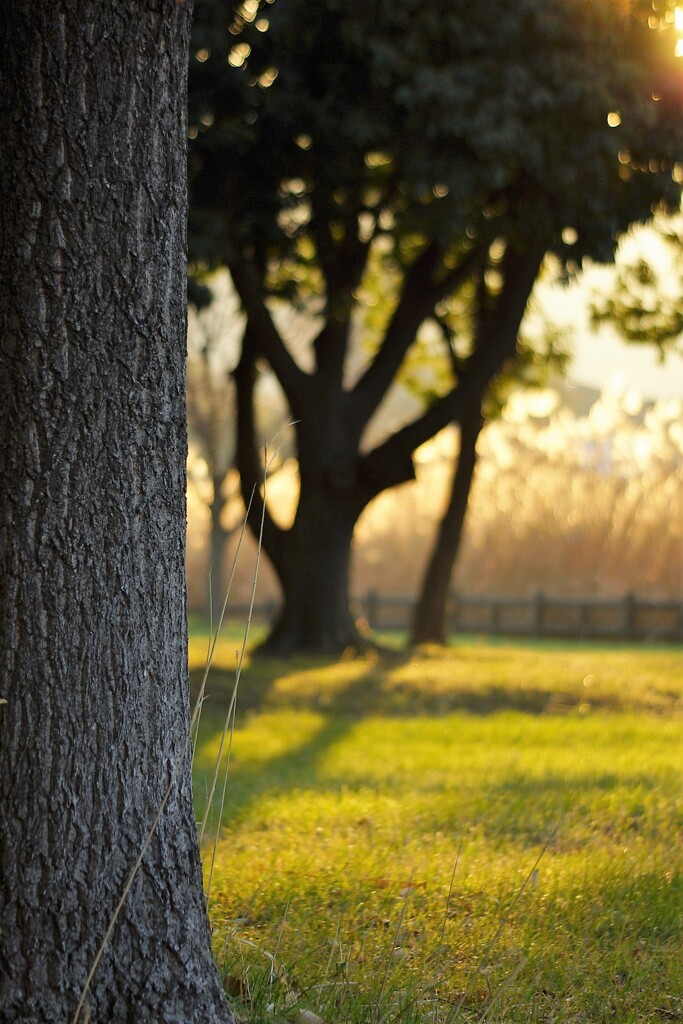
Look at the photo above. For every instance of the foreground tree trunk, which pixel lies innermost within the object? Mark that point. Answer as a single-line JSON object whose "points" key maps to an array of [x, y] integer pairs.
{"points": [[429, 622], [93, 731]]}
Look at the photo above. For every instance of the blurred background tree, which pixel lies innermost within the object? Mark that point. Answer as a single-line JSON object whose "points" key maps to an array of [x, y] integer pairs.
{"points": [[210, 419], [447, 144], [645, 302], [214, 337], [537, 359], [571, 499]]}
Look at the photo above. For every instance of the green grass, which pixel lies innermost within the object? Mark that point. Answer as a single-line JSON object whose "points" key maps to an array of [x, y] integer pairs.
{"points": [[355, 788]]}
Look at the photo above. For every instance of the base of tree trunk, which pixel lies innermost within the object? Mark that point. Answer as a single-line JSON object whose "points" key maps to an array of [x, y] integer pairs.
{"points": [[428, 635], [289, 637]]}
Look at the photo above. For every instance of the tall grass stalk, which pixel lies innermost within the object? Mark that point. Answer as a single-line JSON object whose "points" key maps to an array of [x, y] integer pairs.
{"points": [[448, 898], [505, 985], [394, 947], [213, 636], [229, 726]]}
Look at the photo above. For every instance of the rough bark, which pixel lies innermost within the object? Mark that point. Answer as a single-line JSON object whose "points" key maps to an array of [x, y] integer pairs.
{"points": [[92, 517], [429, 622]]}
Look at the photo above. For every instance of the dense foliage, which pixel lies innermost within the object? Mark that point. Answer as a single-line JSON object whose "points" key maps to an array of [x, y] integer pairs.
{"points": [[447, 116]]}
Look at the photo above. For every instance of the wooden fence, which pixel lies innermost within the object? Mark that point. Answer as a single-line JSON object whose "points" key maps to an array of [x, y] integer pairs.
{"points": [[629, 618]]}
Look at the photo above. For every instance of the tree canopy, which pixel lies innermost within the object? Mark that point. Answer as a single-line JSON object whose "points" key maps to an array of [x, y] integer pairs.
{"points": [[453, 145]]}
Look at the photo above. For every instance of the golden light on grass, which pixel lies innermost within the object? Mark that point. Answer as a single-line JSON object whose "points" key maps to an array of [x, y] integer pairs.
{"points": [[345, 838]]}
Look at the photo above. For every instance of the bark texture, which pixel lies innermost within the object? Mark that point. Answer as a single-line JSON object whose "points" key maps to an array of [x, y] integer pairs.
{"points": [[429, 622], [92, 520]]}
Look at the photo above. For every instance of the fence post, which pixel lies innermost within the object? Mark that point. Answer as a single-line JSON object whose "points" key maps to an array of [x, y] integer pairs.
{"points": [[629, 623], [538, 612], [628, 626], [372, 608]]}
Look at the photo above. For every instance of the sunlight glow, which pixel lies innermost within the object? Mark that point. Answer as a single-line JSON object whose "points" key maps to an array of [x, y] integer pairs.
{"points": [[239, 54], [267, 78], [249, 9]]}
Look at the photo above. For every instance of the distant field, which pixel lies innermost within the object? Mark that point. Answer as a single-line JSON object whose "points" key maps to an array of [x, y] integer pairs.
{"points": [[355, 789]]}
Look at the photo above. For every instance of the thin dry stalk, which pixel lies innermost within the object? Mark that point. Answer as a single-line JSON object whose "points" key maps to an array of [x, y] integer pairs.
{"points": [[500, 992], [394, 947], [230, 719], [196, 714], [448, 898]]}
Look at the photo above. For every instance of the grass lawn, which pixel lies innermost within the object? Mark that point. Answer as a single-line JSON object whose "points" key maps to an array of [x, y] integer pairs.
{"points": [[384, 819]]}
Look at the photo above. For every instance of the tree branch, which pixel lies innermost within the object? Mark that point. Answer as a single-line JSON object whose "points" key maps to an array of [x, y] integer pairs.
{"points": [[391, 463], [342, 263], [266, 337], [419, 295], [248, 462]]}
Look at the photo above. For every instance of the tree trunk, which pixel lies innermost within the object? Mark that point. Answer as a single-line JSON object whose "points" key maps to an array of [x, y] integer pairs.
{"points": [[93, 637], [429, 622], [314, 575], [311, 558]]}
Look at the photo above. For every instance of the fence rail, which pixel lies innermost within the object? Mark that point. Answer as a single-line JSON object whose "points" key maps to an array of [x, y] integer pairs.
{"points": [[629, 618]]}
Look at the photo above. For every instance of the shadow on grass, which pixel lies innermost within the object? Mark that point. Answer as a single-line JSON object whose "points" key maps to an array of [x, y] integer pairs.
{"points": [[293, 768], [428, 684], [408, 686], [478, 678], [520, 808]]}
